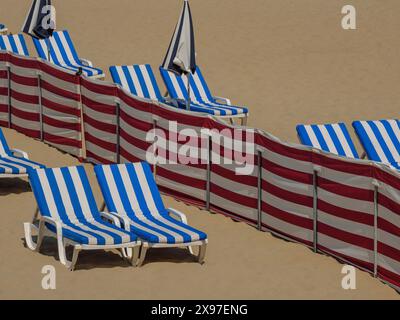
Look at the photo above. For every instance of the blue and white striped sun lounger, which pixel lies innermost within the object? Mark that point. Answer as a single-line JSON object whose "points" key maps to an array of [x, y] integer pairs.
{"points": [[381, 140], [68, 212], [138, 80], [12, 166], [14, 43], [201, 97], [63, 54], [131, 192], [332, 138]]}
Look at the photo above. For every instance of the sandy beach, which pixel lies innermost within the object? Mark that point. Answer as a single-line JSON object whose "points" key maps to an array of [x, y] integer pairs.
{"points": [[290, 62]]}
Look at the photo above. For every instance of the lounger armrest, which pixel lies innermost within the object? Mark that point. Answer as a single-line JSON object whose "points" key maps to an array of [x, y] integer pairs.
{"points": [[21, 153], [3, 31], [181, 216], [120, 222], [86, 62], [224, 100], [54, 223]]}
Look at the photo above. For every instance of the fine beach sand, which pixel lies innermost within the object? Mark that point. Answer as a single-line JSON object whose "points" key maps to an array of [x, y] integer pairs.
{"points": [[290, 62]]}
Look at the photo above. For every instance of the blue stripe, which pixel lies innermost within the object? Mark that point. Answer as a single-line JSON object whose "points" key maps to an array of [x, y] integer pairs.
{"points": [[154, 82], [168, 83], [349, 140], [395, 140], [23, 44], [320, 138], [381, 141], [129, 80], [39, 193], [2, 43], [204, 84], [304, 137], [365, 141], [115, 75], [142, 82], [71, 47], [4, 143], [108, 198], [13, 44], [336, 141]]}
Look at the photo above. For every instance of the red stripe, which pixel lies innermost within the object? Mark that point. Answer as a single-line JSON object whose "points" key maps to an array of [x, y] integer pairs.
{"points": [[347, 259], [345, 190], [278, 233], [389, 276], [136, 123], [390, 179], [344, 236], [26, 81], [288, 195], [3, 123], [28, 63], [61, 92], [3, 108], [102, 126], [287, 173], [99, 107], [61, 108], [24, 97], [233, 196], [3, 74], [180, 178], [128, 156], [231, 175], [174, 158], [109, 146], [388, 203], [28, 132], [183, 197], [96, 157], [293, 219], [134, 141], [351, 215], [4, 92], [100, 88], [25, 115], [134, 103], [61, 124], [62, 140], [169, 113], [59, 74], [389, 251]]}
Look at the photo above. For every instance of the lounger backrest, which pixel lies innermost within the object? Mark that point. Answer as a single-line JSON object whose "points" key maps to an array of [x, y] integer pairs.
{"points": [[332, 138], [14, 43], [130, 189], [177, 86], [4, 149], [62, 50], [138, 79], [380, 139], [64, 194]]}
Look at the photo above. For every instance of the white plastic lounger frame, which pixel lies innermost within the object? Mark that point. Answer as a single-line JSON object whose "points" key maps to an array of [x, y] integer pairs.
{"points": [[67, 211], [3, 31], [130, 192]]}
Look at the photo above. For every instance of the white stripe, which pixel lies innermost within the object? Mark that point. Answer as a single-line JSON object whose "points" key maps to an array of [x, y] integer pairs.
{"points": [[148, 82], [343, 141], [176, 86], [18, 43], [135, 81], [388, 141], [20, 168], [124, 82], [313, 137], [328, 139], [374, 142]]}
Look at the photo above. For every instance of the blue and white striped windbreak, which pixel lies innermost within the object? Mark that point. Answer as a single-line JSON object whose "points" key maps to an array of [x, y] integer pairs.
{"points": [[181, 55], [40, 21], [130, 191]]}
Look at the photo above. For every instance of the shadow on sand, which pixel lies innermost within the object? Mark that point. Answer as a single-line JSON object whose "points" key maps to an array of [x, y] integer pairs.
{"points": [[13, 186], [101, 259]]}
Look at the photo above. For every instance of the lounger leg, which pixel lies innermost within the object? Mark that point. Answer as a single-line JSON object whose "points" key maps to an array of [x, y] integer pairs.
{"points": [[135, 255], [202, 253], [190, 250], [74, 259], [244, 121], [28, 236], [145, 247]]}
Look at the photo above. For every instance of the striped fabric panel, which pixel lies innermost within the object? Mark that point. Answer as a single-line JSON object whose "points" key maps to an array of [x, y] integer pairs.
{"points": [[63, 53], [177, 88], [381, 140], [4, 149], [64, 194], [332, 138], [138, 80], [14, 43], [4, 71], [130, 190]]}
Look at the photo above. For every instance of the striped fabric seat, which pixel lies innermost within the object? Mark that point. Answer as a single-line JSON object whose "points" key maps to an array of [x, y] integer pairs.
{"points": [[332, 138], [65, 196], [14, 43], [381, 140], [63, 54], [9, 164], [130, 191], [138, 80], [201, 98]]}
